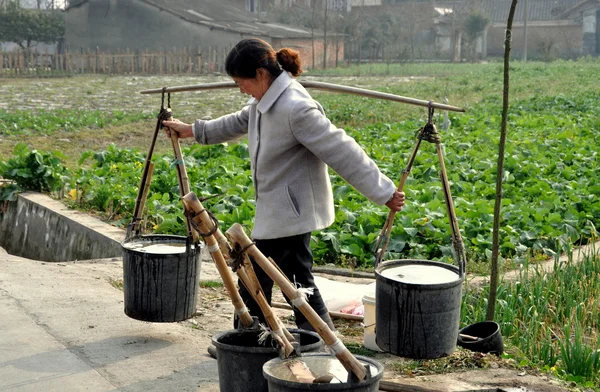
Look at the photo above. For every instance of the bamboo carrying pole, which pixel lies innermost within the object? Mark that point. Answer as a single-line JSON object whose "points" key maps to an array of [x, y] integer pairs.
{"points": [[246, 274], [319, 86], [238, 236]]}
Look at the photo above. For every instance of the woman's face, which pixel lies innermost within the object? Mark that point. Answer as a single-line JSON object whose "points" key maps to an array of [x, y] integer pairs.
{"points": [[255, 87]]}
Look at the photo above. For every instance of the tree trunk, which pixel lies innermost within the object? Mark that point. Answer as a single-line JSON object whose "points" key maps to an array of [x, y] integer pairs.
{"points": [[491, 310], [325, 36], [312, 32]]}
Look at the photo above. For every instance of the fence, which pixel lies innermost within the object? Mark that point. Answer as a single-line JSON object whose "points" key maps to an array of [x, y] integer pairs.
{"points": [[176, 61]]}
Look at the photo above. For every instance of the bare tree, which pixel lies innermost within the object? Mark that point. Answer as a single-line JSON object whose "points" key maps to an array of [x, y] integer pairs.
{"points": [[496, 226], [325, 35]]}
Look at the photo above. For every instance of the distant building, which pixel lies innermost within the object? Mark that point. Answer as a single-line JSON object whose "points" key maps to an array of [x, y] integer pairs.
{"points": [[161, 24], [567, 28]]}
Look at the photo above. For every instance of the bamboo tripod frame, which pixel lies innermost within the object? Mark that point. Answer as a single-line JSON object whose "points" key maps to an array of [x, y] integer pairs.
{"points": [[220, 250], [182, 178], [237, 236], [428, 133]]}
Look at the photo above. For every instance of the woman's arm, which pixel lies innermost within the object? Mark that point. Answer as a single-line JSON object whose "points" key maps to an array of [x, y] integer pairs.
{"points": [[342, 153], [222, 129]]}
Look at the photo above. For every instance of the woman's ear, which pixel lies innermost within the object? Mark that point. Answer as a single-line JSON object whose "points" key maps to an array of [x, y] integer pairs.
{"points": [[261, 73]]}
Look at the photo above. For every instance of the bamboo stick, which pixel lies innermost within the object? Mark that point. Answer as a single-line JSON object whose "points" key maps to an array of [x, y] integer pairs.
{"points": [[257, 294], [247, 275], [457, 241], [182, 178], [238, 236], [137, 219], [148, 163], [191, 207], [384, 236], [252, 276], [319, 86]]}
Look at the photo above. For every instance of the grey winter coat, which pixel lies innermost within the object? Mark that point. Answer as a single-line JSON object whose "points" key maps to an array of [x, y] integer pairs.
{"points": [[291, 143]]}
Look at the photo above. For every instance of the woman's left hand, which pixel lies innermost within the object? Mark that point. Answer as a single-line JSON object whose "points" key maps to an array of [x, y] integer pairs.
{"points": [[396, 202]]}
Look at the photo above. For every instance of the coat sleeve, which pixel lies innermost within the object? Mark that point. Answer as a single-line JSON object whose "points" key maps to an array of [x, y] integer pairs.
{"points": [[339, 151], [222, 129]]}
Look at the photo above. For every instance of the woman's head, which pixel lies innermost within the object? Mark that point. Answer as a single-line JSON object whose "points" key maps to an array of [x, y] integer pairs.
{"points": [[250, 55]]}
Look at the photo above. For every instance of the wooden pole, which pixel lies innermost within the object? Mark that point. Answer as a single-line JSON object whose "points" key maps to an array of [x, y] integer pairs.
{"points": [[237, 236], [319, 86]]}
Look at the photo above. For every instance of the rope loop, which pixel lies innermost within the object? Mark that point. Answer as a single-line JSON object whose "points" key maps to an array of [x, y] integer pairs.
{"points": [[195, 226], [237, 255], [430, 111]]}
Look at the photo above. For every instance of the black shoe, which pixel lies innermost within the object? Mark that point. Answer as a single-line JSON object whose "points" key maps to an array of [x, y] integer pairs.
{"points": [[212, 351]]}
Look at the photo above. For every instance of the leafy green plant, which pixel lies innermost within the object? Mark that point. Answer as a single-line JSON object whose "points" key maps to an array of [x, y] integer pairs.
{"points": [[32, 170]]}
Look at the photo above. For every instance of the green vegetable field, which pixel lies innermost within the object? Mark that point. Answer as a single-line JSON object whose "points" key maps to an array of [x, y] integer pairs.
{"points": [[551, 188]]}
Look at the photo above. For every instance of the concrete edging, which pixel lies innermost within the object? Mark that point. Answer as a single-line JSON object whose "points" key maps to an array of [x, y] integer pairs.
{"points": [[37, 227]]}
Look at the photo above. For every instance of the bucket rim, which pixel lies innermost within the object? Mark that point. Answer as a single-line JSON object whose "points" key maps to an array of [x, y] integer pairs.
{"points": [[258, 349], [432, 286], [328, 387], [468, 328], [166, 237]]}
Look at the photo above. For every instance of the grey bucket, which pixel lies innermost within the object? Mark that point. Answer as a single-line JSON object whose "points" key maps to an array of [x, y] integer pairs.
{"points": [[323, 363], [240, 358], [160, 287], [418, 320]]}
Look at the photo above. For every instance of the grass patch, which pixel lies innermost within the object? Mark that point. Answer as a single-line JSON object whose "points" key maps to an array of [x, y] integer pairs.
{"points": [[552, 320], [211, 283], [116, 283], [358, 349]]}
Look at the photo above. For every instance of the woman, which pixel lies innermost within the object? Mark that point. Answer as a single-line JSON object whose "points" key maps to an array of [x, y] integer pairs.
{"points": [[291, 143]]}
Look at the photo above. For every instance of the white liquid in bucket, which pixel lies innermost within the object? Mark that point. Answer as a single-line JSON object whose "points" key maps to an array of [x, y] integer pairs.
{"points": [[168, 248], [319, 366], [420, 274]]}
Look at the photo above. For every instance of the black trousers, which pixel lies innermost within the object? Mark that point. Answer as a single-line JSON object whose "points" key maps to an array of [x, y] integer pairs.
{"points": [[294, 256]]}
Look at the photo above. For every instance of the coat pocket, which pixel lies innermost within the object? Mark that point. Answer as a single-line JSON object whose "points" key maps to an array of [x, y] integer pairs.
{"points": [[292, 200]]}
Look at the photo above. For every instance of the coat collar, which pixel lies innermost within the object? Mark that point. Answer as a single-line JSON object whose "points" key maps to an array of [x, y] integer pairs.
{"points": [[275, 90]]}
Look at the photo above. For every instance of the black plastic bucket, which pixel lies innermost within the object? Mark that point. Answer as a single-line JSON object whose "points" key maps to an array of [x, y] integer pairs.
{"points": [[161, 275], [320, 364], [240, 358], [482, 337], [417, 308]]}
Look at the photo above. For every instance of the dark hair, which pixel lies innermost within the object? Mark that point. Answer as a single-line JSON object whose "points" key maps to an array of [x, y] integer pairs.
{"points": [[248, 55]]}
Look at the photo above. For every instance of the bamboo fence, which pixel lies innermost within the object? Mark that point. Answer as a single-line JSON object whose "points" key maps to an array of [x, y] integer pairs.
{"points": [[207, 60]]}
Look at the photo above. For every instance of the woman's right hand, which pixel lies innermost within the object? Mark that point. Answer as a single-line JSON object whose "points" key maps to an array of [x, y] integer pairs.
{"points": [[182, 129]]}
